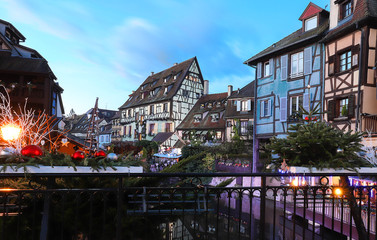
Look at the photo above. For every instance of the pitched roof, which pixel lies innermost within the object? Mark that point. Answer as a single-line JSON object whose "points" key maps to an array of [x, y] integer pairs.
{"points": [[162, 137], [218, 102], [365, 11], [27, 65], [310, 11], [22, 37], [156, 83], [245, 92], [291, 41]]}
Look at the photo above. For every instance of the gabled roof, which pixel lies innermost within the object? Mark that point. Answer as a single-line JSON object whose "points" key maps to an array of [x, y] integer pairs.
{"points": [[365, 12], [8, 24], [206, 123], [155, 81], [310, 11], [291, 41]]}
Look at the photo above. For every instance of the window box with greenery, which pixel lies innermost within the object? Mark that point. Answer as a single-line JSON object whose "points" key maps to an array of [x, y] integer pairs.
{"points": [[341, 108]]}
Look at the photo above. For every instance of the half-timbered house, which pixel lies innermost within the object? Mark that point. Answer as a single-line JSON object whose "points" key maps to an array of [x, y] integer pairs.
{"points": [[26, 74], [205, 123], [239, 112], [289, 74], [351, 59], [162, 101]]}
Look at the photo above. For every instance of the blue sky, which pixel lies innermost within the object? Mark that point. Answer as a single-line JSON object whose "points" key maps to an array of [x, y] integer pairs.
{"points": [[106, 49]]}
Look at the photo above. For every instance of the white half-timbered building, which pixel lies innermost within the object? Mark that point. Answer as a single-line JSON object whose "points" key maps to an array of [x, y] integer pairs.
{"points": [[162, 101]]}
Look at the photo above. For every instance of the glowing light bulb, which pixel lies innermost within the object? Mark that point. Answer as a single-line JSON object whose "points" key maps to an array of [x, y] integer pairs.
{"points": [[294, 182], [10, 132], [338, 191]]}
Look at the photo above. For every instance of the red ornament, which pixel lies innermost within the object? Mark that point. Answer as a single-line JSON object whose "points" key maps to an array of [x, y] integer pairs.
{"points": [[32, 151], [307, 118], [100, 153], [78, 155]]}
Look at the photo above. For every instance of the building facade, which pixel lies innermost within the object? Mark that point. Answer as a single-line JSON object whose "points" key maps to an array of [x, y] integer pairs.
{"points": [[239, 112], [351, 60], [162, 101], [24, 73], [205, 123], [289, 74]]}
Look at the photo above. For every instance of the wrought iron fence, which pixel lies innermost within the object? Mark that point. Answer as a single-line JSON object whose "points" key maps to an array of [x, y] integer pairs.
{"points": [[186, 206]]}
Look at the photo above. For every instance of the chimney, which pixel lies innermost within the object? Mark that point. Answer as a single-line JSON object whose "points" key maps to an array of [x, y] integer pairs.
{"points": [[152, 73], [230, 90], [175, 64], [206, 86]]}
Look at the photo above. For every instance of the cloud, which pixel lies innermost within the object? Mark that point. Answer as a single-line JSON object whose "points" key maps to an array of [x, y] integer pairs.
{"points": [[45, 21]]}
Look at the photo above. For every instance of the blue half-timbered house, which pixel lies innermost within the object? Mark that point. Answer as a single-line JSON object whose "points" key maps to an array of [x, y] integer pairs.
{"points": [[289, 74]]}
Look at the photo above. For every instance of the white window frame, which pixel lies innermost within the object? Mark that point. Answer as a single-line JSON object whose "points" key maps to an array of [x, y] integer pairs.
{"points": [[311, 23], [295, 100], [266, 108], [345, 61], [266, 69], [297, 64]]}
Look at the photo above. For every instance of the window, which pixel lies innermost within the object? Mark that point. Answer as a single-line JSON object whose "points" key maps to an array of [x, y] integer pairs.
{"points": [[341, 108], [197, 118], [218, 135], [244, 106], [197, 95], [295, 103], [151, 109], [166, 79], [166, 107], [54, 100], [266, 69], [151, 129], [345, 9], [209, 105], [265, 108], [345, 61], [297, 64], [167, 89], [177, 75], [167, 127], [158, 108], [310, 23], [129, 131], [141, 111], [202, 105], [244, 129], [129, 113], [185, 93], [215, 117]]}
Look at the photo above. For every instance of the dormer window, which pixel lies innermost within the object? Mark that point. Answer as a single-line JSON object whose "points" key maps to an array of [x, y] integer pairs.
{"points": [[345, 9], [209, 105], [177, 75], [197, 118], [202, 105], [311, 23], [215, 117], [166, 79], [167, 89]]}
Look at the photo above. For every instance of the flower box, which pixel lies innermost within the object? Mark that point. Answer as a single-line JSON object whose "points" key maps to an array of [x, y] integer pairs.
{"points": [[71, 170]]}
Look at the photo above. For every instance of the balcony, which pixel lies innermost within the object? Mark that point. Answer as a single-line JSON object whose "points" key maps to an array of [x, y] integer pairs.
{"points": [[370, 124], [182, 206]]}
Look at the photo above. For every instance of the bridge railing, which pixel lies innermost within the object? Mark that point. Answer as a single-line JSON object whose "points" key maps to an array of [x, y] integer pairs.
{"points": [[184, 206]]}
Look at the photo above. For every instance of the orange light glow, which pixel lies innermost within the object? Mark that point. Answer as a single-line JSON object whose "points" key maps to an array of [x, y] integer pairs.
{"points": [[338, 191], [10, 132], [294, 182], [6, 189]]}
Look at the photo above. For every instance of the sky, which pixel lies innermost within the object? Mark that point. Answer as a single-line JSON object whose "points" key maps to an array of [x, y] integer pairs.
{"points": [[106, 49]]}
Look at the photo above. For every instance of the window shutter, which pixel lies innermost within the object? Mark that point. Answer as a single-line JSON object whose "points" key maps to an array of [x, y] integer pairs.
{"points": [[284, 67], [249, 105], [238, 106], [269, 108], [355, 55], [331, 65], [259, 70], [271, 66], [307, 61], [283, 109], [330, 110], [306, 103], [262, 113], [351, 106]]}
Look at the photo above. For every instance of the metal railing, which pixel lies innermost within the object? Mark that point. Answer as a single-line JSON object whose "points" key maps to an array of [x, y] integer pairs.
{"points": [[182, 206]]}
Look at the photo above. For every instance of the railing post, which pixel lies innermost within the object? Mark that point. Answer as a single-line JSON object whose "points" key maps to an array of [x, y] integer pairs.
{"points": [[262, 207], [46, 210], [119, 209]]}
